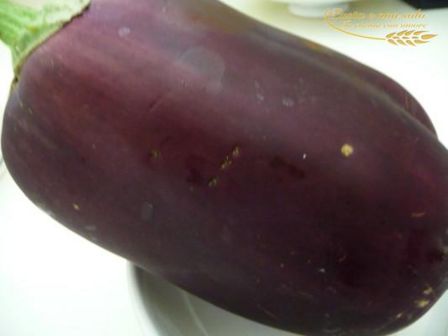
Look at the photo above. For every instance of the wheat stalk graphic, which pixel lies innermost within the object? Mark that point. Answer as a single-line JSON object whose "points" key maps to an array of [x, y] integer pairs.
{"points": [[409, 37]]}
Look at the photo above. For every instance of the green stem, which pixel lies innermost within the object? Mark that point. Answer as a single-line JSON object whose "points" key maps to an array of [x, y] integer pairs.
{"points": [[24, 28]]}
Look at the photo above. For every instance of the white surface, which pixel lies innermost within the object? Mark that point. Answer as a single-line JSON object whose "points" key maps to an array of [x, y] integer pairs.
{"points": [[54, 283], [314, 8], [316, 11]]}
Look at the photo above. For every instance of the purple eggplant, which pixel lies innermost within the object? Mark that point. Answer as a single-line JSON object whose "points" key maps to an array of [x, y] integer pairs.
{"points": [[264, 173]]}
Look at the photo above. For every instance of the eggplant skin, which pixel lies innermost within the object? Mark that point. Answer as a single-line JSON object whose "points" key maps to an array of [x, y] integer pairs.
{"points": [[268, 175]]}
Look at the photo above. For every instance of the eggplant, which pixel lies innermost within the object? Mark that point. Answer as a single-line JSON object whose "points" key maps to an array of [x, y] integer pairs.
{"points": [[262, 172]]}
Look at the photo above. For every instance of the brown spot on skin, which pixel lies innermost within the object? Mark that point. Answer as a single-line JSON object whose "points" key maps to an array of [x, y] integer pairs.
{"points": [[347, 150], [236, 152], [428, 291], [421, 303], [418, 214], [280, 164], [154, 154], [226, 163], [212, 183], [195, 166]]}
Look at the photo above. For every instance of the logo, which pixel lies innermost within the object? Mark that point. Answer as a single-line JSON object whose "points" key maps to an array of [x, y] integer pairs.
{"points": [[398, 29]]}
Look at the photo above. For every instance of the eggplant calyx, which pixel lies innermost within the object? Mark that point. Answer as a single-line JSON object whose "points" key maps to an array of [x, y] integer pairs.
{"points": [[23, 28]]}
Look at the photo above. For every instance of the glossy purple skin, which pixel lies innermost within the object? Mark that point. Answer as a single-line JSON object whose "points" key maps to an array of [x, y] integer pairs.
{"points": [[206, 148]]}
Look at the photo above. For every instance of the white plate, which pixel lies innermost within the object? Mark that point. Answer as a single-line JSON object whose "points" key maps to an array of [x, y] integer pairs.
{"points": [[315, 8], [174, 312]]}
